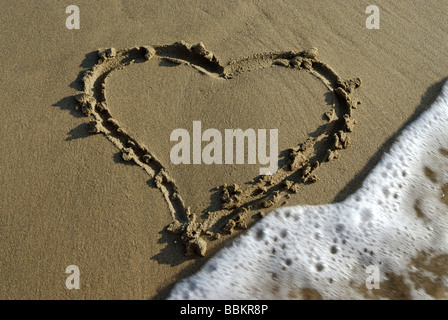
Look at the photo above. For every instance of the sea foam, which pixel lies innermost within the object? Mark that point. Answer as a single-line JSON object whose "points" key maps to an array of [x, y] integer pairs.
{"points": [[396, 224]]}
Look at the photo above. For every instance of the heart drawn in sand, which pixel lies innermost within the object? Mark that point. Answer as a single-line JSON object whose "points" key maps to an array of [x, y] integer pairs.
{"points": [[237, 203]]}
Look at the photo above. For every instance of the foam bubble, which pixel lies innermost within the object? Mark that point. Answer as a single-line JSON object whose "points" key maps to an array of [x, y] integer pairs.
{"points": [[395, 222]]}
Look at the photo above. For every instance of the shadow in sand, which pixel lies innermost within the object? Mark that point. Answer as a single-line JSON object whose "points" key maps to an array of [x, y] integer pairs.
{"points": [[80, 132], [174, 255], [90, 59], [69, 103]]}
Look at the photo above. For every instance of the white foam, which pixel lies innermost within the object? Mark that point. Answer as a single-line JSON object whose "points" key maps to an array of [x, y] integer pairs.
{"points": [[398, 212]]}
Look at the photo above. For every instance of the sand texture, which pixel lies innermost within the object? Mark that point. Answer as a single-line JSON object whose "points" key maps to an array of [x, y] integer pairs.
{"points": [[87, 115]]}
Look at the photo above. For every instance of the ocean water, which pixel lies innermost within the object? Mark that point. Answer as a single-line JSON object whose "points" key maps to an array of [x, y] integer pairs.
{"points": [[389, 240]]}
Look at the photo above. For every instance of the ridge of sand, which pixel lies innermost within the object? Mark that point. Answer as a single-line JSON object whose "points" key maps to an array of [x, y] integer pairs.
{"points": [[263, 192]]}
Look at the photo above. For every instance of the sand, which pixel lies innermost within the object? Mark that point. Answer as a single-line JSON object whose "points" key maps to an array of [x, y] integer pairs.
{"points": [[69, 196]]}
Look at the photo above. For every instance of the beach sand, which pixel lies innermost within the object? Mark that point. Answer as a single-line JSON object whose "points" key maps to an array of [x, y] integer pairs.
{"points": [[68, 198]]}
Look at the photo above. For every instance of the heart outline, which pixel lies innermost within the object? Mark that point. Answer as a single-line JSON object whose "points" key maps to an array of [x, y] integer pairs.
{"points": [[235, 202]]}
